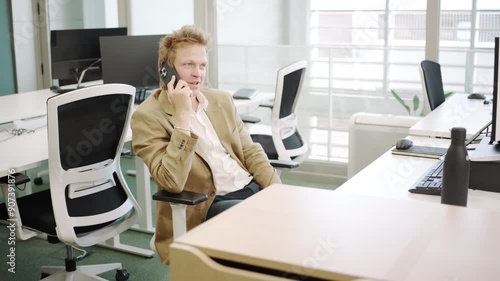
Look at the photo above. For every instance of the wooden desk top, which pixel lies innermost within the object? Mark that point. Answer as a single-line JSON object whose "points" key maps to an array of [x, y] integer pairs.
{"points": [[335, 235]]}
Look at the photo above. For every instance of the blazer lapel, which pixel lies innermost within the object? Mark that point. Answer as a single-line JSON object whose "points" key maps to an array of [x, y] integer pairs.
{"points": [[220, 123]]}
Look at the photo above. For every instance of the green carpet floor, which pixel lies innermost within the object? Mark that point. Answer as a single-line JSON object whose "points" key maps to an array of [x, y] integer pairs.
{"points": [[34, 253]]}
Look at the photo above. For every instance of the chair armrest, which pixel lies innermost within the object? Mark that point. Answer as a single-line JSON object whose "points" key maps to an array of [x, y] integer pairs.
{"points": [[267, 103], [284, 163], [185, 197], [249, 119]]}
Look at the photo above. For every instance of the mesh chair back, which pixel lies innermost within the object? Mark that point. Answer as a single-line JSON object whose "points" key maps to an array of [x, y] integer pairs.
{"points": [[432, 83], [290, 91], [86, 132]]}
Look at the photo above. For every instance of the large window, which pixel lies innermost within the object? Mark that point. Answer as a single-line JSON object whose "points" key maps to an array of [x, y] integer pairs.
{"points": [[357, 52], [467, 31]]}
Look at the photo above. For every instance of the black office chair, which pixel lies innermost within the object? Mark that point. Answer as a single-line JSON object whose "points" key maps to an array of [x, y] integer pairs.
{"points": [[88, 200], [432, 85], [281, 139]]}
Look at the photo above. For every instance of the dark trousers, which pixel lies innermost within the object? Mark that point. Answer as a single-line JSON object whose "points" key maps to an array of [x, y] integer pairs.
{"points": [[224, 202]]}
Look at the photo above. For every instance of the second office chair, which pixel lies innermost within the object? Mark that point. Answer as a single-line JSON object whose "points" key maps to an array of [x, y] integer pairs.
{"points": [[432, 85]]}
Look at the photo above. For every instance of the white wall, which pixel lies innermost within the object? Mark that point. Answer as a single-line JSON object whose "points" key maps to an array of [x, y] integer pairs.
{"points": [[243, 24], [94, 13], [73, 14], [110, 13], [65, 14], [150, 17], [25, 45], [250, 22]]}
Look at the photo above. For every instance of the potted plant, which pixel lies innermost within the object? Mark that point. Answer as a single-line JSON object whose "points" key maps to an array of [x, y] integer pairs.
{"points": [[415, 102]]}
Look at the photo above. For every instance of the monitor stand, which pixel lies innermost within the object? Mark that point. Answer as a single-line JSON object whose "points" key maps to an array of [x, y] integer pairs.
{"points": [[486, 151], [79, 75], [58, 90]]}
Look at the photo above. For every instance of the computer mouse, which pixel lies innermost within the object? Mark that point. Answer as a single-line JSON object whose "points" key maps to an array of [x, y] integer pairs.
{"points": [[404, 144], [476, 96]]}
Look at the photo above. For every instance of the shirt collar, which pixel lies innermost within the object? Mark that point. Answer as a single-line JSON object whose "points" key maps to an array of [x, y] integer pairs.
{"points": [[203, 102]]}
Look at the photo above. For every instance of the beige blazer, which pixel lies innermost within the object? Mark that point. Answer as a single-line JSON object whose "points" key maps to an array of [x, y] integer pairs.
{"points": [[174, 163]]}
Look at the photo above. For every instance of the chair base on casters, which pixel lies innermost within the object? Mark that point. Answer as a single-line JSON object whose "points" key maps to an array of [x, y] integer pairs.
{"points": [[81, 273]]}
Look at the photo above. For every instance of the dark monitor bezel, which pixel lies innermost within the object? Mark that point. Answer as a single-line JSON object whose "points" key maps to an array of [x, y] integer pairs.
{"points": [[495, 122]]}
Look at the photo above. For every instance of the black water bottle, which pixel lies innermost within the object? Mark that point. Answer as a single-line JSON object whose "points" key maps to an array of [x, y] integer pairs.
{"points": [[456, 170]]}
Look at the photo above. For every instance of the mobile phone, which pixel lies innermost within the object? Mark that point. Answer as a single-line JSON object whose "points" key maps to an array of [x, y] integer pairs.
{"points": [[166, 73]]}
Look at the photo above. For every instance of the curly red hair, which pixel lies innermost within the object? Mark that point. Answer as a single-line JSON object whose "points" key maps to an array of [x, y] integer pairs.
{"points": [[187, 35]]}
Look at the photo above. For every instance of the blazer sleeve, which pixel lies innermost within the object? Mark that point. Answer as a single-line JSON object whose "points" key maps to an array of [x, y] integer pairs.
{"points": [[167, 152]]}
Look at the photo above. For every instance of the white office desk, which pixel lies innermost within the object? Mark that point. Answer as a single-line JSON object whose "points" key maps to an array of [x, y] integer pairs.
{"points": [[24, 105], [24, 152], [338, 236], [457, 110], [391, 176]]}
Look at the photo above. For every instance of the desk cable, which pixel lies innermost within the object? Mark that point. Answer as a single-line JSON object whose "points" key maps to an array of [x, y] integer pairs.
{"points": [[84, 253], [476, 139], [18, 132]]}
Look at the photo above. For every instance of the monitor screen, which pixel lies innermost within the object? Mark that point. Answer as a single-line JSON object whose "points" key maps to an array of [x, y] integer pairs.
{"points": [[74, 50], [495, 121], [131, 60]]}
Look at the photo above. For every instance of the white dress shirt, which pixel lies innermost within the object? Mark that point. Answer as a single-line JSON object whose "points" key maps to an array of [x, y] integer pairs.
{"points": [[228, 175]]}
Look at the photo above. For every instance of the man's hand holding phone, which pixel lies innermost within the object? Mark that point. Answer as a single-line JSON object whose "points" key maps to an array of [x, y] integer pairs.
{"points": [[178, 91], [179, 95]]}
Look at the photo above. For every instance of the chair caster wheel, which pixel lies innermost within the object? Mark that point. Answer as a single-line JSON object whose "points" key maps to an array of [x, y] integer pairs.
{"points": [[122, 275], [38, 181], [44, 275]]}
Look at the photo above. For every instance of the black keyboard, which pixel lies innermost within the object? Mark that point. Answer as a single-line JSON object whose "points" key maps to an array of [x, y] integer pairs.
{"points": [[432, 181]]}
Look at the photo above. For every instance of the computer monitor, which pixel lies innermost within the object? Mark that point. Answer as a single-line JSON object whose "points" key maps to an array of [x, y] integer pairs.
{"points": [[131, 60], [489, 148], [495, 121], [75, 53]]}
